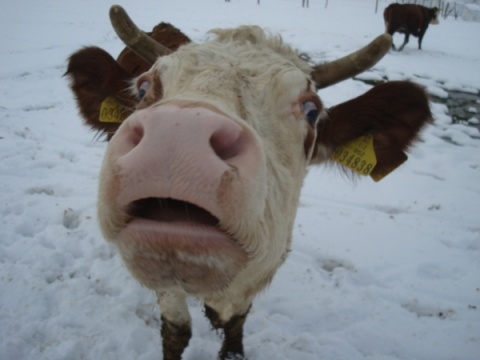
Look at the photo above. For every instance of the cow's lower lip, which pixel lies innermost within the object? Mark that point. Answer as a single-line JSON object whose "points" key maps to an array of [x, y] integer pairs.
{"points": [[180, 233], [199, 257]]}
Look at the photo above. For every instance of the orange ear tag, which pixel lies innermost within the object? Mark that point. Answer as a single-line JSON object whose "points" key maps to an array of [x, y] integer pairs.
{"points": [[358, 155], [111, 111]]}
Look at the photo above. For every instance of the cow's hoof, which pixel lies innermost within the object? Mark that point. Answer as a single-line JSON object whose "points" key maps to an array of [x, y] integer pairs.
{"points": [[231, 356]]}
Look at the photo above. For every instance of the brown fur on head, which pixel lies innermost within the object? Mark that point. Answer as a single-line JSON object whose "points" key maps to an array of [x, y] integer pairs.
{"points": [[95, 75]]}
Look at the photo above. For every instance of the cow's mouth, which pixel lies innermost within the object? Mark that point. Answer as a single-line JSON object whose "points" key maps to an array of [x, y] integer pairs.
{"points": [[170, 242], [170, 210]]}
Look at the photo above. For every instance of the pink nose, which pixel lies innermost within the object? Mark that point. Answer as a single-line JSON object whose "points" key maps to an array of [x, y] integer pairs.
{"points": [[182, 153], [188, 129]]}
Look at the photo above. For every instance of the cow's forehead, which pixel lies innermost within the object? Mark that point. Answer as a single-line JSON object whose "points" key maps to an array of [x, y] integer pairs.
{"points": [[238, 65], [261, 44], [248, 53]]}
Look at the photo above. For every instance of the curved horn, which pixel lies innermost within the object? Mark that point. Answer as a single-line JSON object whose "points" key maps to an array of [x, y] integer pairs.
{"points": [[135, 39], [331, 73]]}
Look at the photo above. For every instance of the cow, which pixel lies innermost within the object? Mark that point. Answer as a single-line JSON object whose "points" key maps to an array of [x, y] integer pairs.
{"points": [[200, 184], [409, 19]]}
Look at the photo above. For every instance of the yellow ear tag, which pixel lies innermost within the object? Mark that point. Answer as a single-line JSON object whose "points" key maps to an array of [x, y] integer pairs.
{"points": [[357, 155], [111, 111]]}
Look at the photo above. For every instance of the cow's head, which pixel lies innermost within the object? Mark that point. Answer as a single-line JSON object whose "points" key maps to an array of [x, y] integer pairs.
{"points": [[434, 12], [200, 184]]}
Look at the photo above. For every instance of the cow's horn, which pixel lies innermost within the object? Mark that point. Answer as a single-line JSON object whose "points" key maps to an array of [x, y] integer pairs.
{"points": [[331, 73], [135, 39]]}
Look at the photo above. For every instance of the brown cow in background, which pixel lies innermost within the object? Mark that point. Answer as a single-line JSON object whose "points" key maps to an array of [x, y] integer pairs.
{"points": [[409, 19]]}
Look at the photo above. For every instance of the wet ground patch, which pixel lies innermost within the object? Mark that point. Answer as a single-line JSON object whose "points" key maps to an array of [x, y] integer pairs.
{"points": [[463, 107]]}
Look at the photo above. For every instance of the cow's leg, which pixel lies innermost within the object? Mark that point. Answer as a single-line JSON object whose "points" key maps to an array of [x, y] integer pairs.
{"points": [[405, 41], [176, 324], [420, 38], [232, 347], [391, 34]]}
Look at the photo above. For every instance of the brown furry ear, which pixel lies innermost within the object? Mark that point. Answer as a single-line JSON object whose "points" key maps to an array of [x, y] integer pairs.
{"points": [[393, 113], [101, 83], [94, 76]]}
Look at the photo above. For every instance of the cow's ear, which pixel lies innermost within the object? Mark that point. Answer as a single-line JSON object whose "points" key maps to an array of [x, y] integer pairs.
{"points": [[101, 89], [384, 122]]}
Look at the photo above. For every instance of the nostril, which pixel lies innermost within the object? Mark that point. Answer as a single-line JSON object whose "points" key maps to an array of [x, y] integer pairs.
{"points": [[227, 142], [136, 133]]}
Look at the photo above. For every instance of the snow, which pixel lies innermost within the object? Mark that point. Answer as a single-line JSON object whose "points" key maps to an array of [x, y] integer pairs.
{"points": [[378, 271]]}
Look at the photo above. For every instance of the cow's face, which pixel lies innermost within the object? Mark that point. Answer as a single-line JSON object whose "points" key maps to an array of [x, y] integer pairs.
{"points": [[435, 12], [202, 182]]}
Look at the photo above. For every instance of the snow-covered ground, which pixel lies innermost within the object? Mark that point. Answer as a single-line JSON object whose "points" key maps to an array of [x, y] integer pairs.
{"points": [[378, 271]]}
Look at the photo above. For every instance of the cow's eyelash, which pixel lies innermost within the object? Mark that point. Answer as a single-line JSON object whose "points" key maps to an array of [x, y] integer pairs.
{"points": [[311, 111], [142, 88]]}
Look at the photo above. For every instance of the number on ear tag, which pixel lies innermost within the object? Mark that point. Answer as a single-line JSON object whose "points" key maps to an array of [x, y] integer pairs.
{"points": [[357, 155], [111, 111]]}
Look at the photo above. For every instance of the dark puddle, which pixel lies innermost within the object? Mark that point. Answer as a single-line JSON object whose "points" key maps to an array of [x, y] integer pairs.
{"points": [[462, 106]]}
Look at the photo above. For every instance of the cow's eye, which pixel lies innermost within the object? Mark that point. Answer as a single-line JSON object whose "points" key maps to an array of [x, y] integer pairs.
{"points": [[311, 111], [142, 89]]}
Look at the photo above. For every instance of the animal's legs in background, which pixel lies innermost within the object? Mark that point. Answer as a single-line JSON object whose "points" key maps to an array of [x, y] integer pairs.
{"points": [[391, 34], [176, 324], [420, 38], [407, 36], [232, 347]]}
